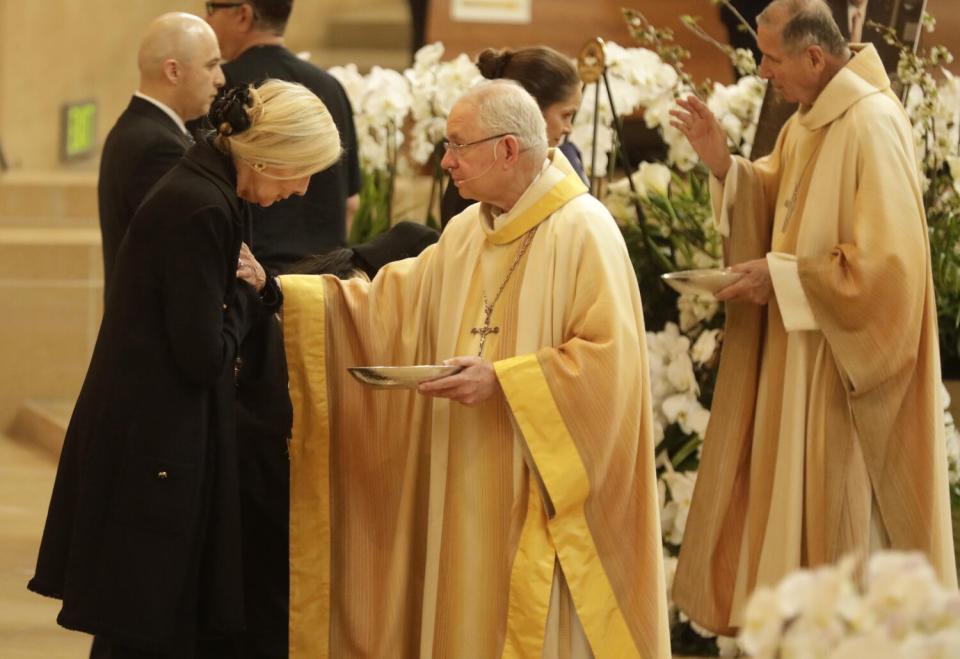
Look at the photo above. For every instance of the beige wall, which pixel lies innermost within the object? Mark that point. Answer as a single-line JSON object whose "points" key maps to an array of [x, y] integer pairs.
{"points": [[3, 69], [307, 28], [55, 51], [3, 76]]}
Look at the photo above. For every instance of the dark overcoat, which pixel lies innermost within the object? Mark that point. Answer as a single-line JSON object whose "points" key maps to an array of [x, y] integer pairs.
{"points": [[143, 533]]}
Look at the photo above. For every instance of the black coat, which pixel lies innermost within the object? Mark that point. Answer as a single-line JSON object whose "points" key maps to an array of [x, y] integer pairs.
{"points": [[143, 533], [141, 147]]}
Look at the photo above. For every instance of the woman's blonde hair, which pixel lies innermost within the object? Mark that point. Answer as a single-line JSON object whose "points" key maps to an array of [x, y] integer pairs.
{"points": [[277, 124]]}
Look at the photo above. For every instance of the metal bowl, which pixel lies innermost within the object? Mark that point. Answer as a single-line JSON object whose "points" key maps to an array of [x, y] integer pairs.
{"points": [[401, 377], [700, 282]]}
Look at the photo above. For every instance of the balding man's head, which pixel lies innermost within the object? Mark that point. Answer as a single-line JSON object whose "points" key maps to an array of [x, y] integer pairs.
{"points": [[804, 23], [179, 62], [802, 48]]}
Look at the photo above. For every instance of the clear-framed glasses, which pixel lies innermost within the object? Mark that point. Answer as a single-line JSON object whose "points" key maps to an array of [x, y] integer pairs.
{"points": [[458, 148], [214, 6]]}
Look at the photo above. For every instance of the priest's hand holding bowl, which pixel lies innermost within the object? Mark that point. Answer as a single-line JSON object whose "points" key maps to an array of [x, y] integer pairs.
{"points": [[755, 286], [473, 385], [705, 134]]}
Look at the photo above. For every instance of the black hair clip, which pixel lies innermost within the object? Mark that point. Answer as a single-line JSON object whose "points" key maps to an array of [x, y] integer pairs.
{"points": [[228, 114]]}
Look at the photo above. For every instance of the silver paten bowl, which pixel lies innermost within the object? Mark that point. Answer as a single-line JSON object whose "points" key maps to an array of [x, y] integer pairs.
{"points": [[401, 377], [707, 281]]}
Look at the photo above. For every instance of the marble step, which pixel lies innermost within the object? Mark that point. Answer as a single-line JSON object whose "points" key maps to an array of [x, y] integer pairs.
{"points": [[51, 289], [49, 198], [42, 424]]}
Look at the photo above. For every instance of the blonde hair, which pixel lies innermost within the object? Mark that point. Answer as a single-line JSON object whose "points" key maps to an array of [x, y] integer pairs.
{"points": [[285, 126]]}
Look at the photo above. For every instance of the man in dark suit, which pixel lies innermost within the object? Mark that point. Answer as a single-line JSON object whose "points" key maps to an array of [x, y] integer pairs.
{"points": [[251, 39], [179, 61]]}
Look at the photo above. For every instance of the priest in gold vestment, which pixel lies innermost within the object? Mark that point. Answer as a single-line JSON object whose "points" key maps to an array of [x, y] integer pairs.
{"points": [[826, 436], [510, 509]]}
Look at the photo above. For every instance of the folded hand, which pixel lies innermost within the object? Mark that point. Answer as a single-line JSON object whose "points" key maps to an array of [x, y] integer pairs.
{"points": [[250, 270]]}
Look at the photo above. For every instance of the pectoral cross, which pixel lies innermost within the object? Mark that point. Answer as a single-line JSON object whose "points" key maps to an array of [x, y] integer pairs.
{"points": [[486, 329], [788, 204]]}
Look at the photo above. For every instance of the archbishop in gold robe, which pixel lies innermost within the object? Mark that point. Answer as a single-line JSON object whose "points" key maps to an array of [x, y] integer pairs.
{"points": [[525, 526], [826, 436]]}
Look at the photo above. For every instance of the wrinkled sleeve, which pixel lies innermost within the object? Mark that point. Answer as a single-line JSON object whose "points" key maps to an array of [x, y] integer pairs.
{"points": [[792, 301], [868, 292], [330, 325], [744, 203]]}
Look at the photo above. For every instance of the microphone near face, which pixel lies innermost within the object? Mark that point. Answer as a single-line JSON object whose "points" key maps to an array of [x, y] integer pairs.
{"points": [[496, 157]]}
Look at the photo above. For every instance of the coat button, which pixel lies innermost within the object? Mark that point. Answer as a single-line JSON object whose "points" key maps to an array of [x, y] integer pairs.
{"points": [[162, 475]]}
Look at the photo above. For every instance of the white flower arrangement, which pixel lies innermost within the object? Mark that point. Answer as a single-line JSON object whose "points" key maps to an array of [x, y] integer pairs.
{"points": [[934, 111], [638, 79], [381, 101], [673, 515], [384, 100], [435, 86], [675, 392], [953, 442], [901, 611]]}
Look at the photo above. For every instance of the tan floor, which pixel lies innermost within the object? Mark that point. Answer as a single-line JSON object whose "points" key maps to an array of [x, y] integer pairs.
{"points": [[28, 628]]}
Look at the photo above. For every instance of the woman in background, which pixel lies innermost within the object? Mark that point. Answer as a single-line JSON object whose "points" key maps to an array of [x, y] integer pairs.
{"points": [[551, 78]]}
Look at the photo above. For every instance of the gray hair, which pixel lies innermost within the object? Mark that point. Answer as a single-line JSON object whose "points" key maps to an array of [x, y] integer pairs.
{"points": [[808, 23], [504, 106]]}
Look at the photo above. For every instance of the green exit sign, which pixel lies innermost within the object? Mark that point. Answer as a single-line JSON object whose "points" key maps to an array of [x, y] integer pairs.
{"points": [[79, 130]]}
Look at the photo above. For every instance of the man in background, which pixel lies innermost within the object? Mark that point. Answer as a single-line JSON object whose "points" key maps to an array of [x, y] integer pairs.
{"points": [[826, 434], [179, 62], [251, 38]]}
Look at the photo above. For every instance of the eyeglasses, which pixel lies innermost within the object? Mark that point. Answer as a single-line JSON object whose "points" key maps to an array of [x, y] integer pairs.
{"points": [[213, 6], [457, 148]]}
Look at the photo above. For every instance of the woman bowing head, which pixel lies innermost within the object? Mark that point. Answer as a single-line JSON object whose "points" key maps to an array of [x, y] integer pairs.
{"points": [[142, 538]]}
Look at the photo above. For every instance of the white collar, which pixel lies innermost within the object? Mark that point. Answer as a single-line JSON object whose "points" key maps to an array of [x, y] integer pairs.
{"points": [[166, 109], [498, 216]]}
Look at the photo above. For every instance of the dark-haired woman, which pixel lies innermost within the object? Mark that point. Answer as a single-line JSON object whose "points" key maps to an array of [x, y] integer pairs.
{"points": [[143, 533], [551, 78]]}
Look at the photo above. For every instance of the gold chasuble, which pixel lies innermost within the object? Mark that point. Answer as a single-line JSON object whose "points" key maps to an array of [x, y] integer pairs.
{"points": [[827, 435], [526, 526]]}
